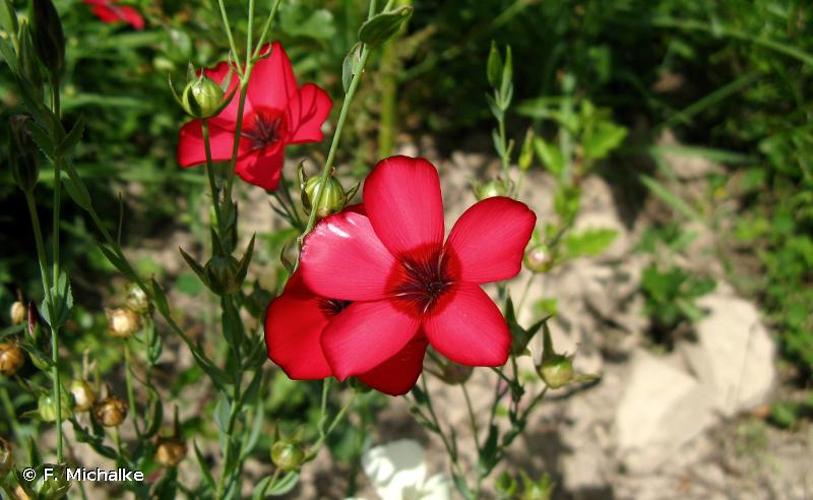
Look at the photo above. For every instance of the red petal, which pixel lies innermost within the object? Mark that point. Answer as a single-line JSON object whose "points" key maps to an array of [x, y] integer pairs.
{"points": [[469, 328], [343, 258], [105, 14], [293, 327], [272, 82], [262, 168], [398, 375], [365, 335], [489, 239], [403, 201], [131, 17], [191, 149], [228, 116], [307, 111]]}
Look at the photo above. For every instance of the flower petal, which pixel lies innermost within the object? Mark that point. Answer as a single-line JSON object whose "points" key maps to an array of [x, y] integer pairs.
{"points": [[489, 239], [294, 322], [307, 111], [272, 82], [403, 200], [130, 16], [468, 328], [191, 147], [397, 375], [343, 258], [262, 168], [365, 335]]}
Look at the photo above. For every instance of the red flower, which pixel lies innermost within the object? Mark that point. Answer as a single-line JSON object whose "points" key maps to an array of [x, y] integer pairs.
{"points": [[404, 283], [276, 113], [294, 323], [109, 12]]}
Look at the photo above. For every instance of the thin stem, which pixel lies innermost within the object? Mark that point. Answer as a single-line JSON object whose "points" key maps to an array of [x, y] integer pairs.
{"points": [[475, 432], [525, 291], [249, 31], [55, 104], [266, 28], [238, 132], [227, 28], [338, 418], [207, 146], [128, 377], [323, 407]]}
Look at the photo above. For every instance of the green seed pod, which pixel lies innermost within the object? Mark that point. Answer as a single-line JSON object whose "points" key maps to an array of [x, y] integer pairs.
{"points": [[332, 200], [490, 189], [222, 273], [54, 486], [202, 98], [46, 407], [49, 40], [555, 369], [453, 373], [287, 456], [539, 259], [22, 153], [6, 458]]}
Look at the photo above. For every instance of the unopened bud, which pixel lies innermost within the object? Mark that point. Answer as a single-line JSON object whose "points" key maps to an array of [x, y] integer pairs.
{"points": [[22, 153], [555, 369], [490, 189], [11, 358], [18, 312], [49, 39], [222, 273], [83, 395], [33, 321], [332, 200], [453, 373], [287, 456], [30, 67], [202, 97], [52, 486], [110, 411], [6, 458], [46, 407], [123, 322], [137, 300], [539, 259], [170, 451]]}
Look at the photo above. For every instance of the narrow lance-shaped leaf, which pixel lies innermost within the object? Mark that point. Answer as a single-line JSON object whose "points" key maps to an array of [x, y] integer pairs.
{"points": [[384, 26]]}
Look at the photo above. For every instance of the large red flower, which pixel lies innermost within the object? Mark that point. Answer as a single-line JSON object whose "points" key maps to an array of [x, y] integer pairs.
{"points": [[110, 12], [403, 282], [276, 113], [294, 323]]}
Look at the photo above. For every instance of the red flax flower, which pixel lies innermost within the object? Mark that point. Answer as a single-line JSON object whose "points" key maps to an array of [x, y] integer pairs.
{"points": [[110, 12], [276, 113], [404, 285]]}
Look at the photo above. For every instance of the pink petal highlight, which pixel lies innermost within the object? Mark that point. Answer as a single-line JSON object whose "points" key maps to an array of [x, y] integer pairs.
{"points": [[469, 329], [489, 239]]}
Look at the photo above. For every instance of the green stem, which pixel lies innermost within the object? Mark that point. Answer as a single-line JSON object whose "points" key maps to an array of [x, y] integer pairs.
{"points": [[266, 28], [238, 132], [207, 146], [227, 28], [525, 291], [324, 435], [128, 377], [475, 432], [56, 271]]}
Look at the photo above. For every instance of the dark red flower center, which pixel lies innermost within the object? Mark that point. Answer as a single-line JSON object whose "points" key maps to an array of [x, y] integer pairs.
{"points": [[423, 279], [265, 128], [332, 307]]}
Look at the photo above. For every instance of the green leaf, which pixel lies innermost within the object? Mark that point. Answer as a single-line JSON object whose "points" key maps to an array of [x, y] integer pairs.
{"points": [[673, 201], [8, 17], [381, 27], [300, 20], [74, 136], [205, 468], [550, 156], [589, 243], [349, 65], [494, 66], [603, 139], [284, 485]]}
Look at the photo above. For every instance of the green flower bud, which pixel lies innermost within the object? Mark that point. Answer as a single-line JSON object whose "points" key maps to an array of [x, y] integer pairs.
{"points": [[202, 98], [6, 458], [453, 373], [55, 486], [490, 189], [83, 395], [110, 411], [332, 200], [46, 407], [539, 259], [49, 40], [494, 66], [287, 456], [30, 67], [22, 153], [555, 369], [11, 358], [222, 273]]}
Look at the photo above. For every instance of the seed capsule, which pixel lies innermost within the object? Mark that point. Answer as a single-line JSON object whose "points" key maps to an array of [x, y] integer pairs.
{"points": [[222, 274], [18, 312], [539, 259], [137, 300], [332, 200], [111, 411], [6, 458], [123, 322], [11, 358], [46, 407], [490, 189], [83, 395], [287, 456], [202, 98], [170, 452]]}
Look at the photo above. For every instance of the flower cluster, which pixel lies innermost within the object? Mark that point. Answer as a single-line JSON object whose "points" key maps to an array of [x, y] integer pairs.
{"points": [[377, 284], [276, 113]]}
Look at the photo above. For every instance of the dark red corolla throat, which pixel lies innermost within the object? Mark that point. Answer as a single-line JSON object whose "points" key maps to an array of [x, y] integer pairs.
{"points": [[422, 281]]}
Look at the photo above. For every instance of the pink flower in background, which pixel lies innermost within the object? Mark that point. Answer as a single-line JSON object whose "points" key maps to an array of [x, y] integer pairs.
{"points": [[277, 113], [401, 283], [110, 12]]}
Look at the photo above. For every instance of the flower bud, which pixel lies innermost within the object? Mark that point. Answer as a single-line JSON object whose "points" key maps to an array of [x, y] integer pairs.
{"points": [[453, 373], [555, 369], [332, 200], [137, 300], [170, 451], [22, 153], [123, 322], [222, 273], [539, 259], [490, 189], [202, 97], [83, 395], [18, 312], [33, 320], [46, 407], [287, 456], [110, 411], [11, 358], [6, 458], [30, 67], [55, 486], [49, 40]]}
